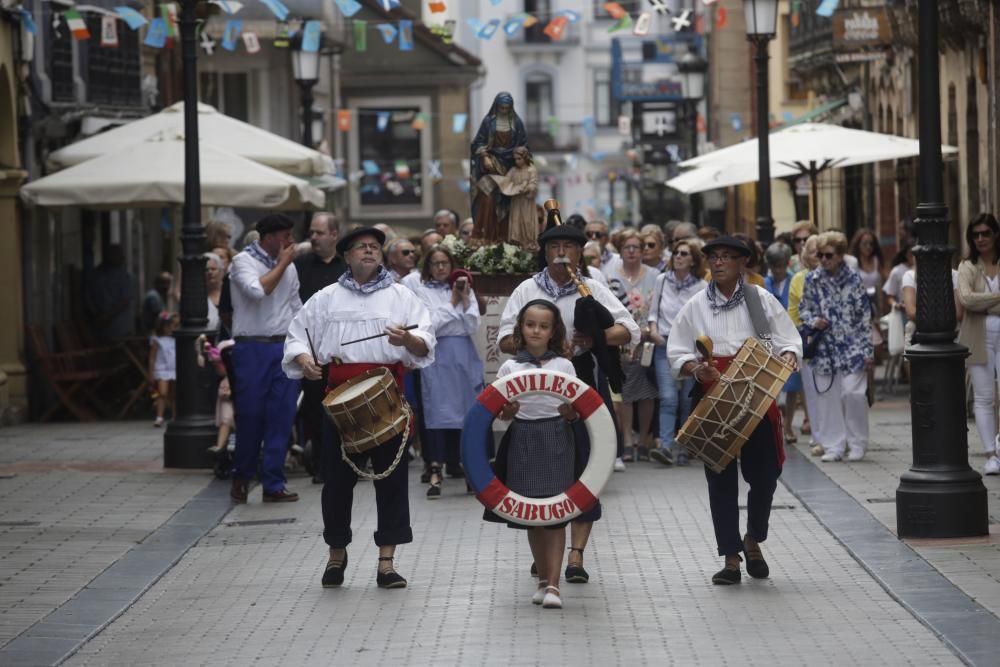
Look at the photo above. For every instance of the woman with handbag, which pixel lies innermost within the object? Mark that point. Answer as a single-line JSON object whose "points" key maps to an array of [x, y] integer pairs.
{"points": [[808, 261], [834, 301]]}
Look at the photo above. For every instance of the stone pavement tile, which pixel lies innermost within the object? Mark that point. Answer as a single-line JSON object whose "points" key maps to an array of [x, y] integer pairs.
{"points": [[251, 592]]}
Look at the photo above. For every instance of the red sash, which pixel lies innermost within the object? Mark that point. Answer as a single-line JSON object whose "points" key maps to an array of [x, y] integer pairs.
{"points": [[341, 373], [773, 414]]}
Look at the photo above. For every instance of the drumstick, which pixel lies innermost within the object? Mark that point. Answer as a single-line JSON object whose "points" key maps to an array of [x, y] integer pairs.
{"points": [[311, 348], [704, 345], [408, 327]]}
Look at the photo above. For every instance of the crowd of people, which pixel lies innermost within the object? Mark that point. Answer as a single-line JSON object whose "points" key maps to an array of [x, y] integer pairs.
{"points": [[281, 311]]}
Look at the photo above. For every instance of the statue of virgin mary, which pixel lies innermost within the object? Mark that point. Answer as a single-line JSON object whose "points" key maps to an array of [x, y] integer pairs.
{"points": [[500, 132]]}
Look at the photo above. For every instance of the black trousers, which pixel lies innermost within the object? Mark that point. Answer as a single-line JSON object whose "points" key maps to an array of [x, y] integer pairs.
{"points": [[391, 500], [758, 462], [311, 414]]}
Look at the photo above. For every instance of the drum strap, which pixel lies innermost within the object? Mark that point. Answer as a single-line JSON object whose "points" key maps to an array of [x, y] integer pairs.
{"points": [[757, 316]]}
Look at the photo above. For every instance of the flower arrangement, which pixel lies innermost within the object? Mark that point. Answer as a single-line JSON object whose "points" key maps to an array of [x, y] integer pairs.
{"points": [[497, 258]]}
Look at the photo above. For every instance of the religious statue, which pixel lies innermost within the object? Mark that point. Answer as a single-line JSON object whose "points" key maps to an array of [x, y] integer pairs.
{"points": [[500, 133], [520, 183]]}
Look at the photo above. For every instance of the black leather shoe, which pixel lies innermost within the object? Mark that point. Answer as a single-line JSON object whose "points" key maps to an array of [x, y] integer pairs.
{"points": [[333, 576], [756, 565], [727, 576], [390, 579], [575, 574], [281, 496], [238, 491]]}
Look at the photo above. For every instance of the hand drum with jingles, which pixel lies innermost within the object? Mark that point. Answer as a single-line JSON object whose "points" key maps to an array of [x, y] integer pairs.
{"points": [[368, 411], [726, 416]]}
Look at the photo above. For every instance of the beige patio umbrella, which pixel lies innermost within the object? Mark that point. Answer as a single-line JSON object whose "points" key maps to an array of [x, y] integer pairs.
{"points": [[151, 173], [214, 128]]}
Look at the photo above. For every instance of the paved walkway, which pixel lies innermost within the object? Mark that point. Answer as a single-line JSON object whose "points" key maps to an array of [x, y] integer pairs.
{"points": [[249, 589]]}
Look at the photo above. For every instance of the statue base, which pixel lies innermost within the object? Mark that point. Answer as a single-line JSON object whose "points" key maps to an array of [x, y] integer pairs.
{"points": [[497, 284]]}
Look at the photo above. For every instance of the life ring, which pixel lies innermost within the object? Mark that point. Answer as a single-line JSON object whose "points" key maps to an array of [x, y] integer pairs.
{"points": [[477, 431]]}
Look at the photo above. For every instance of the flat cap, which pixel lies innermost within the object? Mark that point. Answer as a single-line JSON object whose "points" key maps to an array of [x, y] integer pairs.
{"points": [[727, 242], [348, 239], [562, 233]]}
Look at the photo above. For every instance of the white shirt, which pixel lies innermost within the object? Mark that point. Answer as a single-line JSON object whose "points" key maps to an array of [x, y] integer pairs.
{"points": [[729, 329], [667, 302], [254, 312], [529, 291], [447, 319], [336, 314], [893, 284], [910, 280], [598, 275], [538, 406]]}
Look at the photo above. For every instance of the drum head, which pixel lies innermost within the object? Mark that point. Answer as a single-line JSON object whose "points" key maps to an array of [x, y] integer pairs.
{"points": [[356, 389]]}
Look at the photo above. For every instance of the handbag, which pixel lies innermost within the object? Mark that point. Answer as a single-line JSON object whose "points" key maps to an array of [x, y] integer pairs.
{"points": [[810, 340]]}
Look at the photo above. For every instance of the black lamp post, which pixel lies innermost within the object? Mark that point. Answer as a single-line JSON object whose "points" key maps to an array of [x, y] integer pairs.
{"points": [[193, 431], [762, 21], [940, 496], [692, 68], [305, 69]]}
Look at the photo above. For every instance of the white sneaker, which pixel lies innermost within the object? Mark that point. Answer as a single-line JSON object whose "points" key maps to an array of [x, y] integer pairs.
{"points": [[551, 599], [855, 455], [830, 457], [539, 595], [992, 466], [619, 465]]}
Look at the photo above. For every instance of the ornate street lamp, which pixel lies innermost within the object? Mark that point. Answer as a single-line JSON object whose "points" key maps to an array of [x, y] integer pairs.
{"points": [[193, 431], [305, 70], [940, 496], [762, 23], [693, 68]]}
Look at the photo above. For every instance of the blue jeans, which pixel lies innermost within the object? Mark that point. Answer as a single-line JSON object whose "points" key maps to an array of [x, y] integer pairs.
{"points": [[674, 396]]}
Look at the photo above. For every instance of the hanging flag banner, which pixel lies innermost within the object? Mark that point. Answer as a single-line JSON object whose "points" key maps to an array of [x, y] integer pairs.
{"points": [[434, 170], [721, 17], [489, 29], [419, 122], [615, 10], [348, 7], [660, 6], [344, 120], [642, 23], [310, 36], [388, 5], [513, 25], [360, 35], [827, 7], [382, 120], [168, 11], [683, 21], [277, 8], [624, 125], [437, 7], [406, 35], [556, 28], [529, 20], [77, 26], [133, 19], [588, 126], [251, 43], [402, 169], [207, 43], [281, 36], [736, 121], [388, 31], [109, 31], [231, 33], [370, 167], [230, 7], [624, 23], [458, 121], [553, 126], [27, 20], [574, 17], [156, 36]]}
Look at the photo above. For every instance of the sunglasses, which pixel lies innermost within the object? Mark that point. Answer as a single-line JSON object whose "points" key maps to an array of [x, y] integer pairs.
{"points": [[596, 235], [826, 255], [800, 239], [983, 234], [407, 253], [650, 246], [682, 253]]}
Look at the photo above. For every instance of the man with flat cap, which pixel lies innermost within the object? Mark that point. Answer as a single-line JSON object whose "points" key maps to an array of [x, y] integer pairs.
{"points": [[364, 302], [563, 246], [265, 295], [724, 312]]}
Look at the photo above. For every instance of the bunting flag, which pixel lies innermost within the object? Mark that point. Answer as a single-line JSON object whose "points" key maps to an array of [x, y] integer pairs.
{"points": [[310, 36], [513, 25], [360, 35], [230, 7], [573, 17], [109, 31], [402, 169], [589, 127], [419, 122], [388, 5], [434, 170], [642, 23], [615, 10], [445, 31], [168, 11], [530, 20], [553, 126], [556, 28], [370, 167], [231, 33], [251, 43], [133, 19], [406, 35], [827, 7], [277, 8], [489, 29], [382, 120], [437, 7], [458, 121], [207, 43], [683, 21], [736, 121], [624, 23], [660, 6], [281, 36], [27, 20], [77, 26], [348, 7], [721, 17], [156, 36], [344, 120], [464, 185], [388, 31]]}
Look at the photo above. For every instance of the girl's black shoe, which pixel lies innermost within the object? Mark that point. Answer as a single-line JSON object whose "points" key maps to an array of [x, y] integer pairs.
{"points": [[390, 578], [333, 576]]}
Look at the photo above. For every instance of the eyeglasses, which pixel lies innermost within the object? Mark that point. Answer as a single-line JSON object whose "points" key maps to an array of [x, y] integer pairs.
{"points": [[682, 253], [826, 255], [596, 235], [631, 248], [722, 258], [982, 234], [650, 246], [800, 239], [374, 247], [407, 253]]}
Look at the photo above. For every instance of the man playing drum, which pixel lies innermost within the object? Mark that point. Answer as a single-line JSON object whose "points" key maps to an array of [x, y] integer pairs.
{"points": [[721, 313], [364, 302], [563, 246]]}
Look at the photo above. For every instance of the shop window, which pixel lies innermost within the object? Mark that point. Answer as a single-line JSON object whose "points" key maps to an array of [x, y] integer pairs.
{"points": [[229, 92], [390, 157]]}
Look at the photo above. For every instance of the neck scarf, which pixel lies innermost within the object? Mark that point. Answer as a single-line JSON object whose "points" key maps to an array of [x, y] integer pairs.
{"points": [[606, 256], [258, 253], [841, 277], [437, 284], [525, 357], [547, 285], [380, 280], [679, 285], [715, 297]]}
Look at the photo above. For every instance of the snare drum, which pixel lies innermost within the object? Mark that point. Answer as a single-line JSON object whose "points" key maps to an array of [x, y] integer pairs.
{"points": [[368, 410]]}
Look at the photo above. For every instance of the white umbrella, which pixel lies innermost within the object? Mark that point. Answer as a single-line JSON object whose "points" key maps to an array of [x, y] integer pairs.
{"points": [[151, 173], [220, 130]]}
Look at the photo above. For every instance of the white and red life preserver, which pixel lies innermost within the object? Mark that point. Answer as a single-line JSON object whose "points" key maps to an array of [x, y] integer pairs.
{"points": [[477, 432]]}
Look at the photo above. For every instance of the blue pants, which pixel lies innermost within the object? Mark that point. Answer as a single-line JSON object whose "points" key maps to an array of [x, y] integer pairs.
{"points": [[758, 462], [675, 402], [265, 412]]}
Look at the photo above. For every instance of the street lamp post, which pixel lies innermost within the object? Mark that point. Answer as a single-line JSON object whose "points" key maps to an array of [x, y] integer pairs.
{"points": [[305, 69], [940, 496], [193, 431], [692, 68], [762, 21]]}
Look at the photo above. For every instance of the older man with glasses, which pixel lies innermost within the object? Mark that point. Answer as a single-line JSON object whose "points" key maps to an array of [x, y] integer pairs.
{"points": [[402, 258], [597, 230]]}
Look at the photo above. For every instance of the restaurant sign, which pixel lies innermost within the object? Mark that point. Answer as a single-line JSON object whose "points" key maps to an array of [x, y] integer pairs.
{"points": [[861, 29]]}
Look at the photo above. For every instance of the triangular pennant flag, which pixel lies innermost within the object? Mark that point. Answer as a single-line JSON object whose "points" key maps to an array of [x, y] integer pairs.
{"points": [[360, 35], [721, 17], [310, 36], [406, 35], [388, 5], [231, 33], [642, 23], [348, 7], [624, 23], [458, 121], [344, 120], [827, 7], [133, 19], [77, 26], [109, 31], [489, 29], [277, 8], [230, 7], [156, 36], [419, 122], [437, 7], [573, 17], [614, 10], [513, 25], [382, 120], [251, 43], [281, 36], [556, 28], [434, 170], [529, 20], [207, 43], [27, 20], [475, 24], [388, 31]]}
